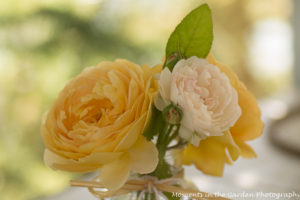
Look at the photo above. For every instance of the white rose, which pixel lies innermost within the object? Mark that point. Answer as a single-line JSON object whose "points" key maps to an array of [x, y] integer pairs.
{"points": [[205, 95]]}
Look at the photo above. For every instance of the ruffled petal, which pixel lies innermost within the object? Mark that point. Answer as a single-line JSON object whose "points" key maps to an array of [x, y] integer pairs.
{"points": [[249, 126], [210, 156], [99, 115]]}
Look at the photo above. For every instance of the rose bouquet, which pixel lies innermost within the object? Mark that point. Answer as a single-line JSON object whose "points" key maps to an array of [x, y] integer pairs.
{"points": [[127, 120]]}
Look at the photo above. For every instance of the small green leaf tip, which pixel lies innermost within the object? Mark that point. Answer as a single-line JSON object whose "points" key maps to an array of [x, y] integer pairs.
{"points": [[192, 37]]}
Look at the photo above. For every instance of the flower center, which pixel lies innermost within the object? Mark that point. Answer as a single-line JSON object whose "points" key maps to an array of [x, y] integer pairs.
{"points": [[97, 112]]}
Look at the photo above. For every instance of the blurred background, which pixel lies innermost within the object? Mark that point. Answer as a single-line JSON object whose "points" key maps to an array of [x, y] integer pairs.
{"points": [[45, 43]]}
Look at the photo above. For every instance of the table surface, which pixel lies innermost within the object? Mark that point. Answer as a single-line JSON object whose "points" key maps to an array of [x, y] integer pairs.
{"points": [[274, 172]]}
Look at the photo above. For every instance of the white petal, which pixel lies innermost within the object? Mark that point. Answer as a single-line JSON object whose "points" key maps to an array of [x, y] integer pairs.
{"points": [[160, 103], [185, 133], [165, 83]]}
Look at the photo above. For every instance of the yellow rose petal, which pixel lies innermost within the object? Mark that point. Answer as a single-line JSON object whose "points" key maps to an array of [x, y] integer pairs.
{"points": [[131, 136], [249, 126], [86, 164], [229, 143], [209, 157], [144, 156], [157, 68], [246, 150], [115, 174]]}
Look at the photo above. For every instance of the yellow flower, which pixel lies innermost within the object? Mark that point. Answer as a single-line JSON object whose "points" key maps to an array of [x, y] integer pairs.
{"points": [[98, 120], [210, 156]]}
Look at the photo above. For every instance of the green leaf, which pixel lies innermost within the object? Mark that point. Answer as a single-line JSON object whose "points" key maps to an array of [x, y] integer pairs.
{"points": [[172, 60], [156, 124], [193, 36]]}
